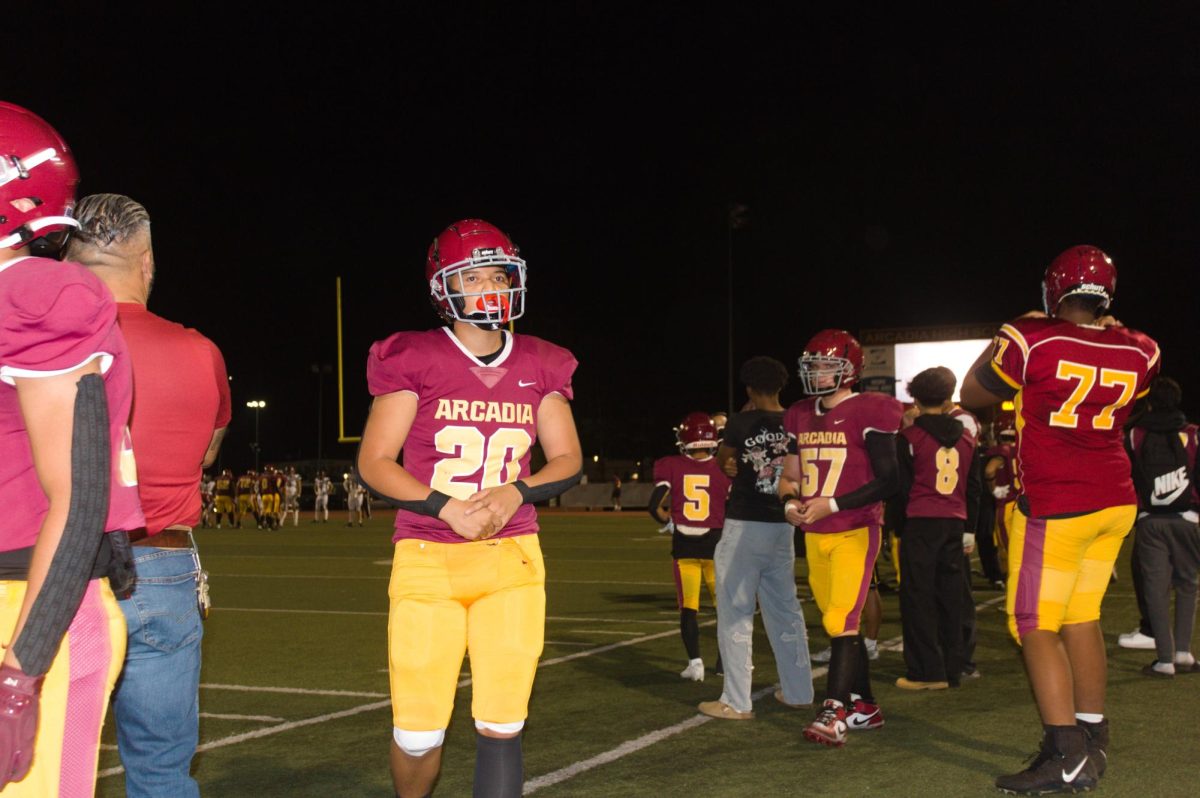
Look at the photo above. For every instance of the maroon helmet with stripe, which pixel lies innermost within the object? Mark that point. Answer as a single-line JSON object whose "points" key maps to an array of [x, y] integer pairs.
{"points": [[1084, 270], [38, 177], [474, 244], [830, 353]]}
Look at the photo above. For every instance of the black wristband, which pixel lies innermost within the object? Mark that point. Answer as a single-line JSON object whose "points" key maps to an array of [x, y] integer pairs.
{"points": [[434, 503], [785, 499], [541, 493], [523, 489]]}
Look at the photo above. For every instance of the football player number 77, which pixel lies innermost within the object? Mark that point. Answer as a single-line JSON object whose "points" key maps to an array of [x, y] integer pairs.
{"points": [[1085, 378], [498, 454]]}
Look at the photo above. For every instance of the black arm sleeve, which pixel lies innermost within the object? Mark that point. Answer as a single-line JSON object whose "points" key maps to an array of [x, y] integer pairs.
{"points": [[990, 381], [881, 448], [431, 505], [974, 492], [71, 567], [656, 499], [541, 493], [897, 506]]}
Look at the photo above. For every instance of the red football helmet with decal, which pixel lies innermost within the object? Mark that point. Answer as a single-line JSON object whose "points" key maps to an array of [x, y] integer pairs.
{"points": [[696, 431], [473, 244], [37, 179], [834, 354], [1005, 426], [1079, 270]]}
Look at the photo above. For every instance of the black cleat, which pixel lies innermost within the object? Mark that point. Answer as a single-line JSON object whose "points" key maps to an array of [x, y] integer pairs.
{"points": [[1063, 765], [1097, 743]]}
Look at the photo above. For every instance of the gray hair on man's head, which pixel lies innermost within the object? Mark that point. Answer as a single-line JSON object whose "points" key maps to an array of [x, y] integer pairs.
{"points": [[107, 219]]}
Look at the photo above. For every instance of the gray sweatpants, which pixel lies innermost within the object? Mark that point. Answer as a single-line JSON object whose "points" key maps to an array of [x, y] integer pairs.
{"points": [[755, 561], [1168, 548]]}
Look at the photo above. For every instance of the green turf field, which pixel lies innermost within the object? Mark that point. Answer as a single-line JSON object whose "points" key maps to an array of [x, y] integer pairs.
{"points": [[294, 696]]}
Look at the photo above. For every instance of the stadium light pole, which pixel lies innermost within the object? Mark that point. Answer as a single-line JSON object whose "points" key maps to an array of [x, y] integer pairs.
{"points": [[320, 369], [256, 405], [737, 219]]}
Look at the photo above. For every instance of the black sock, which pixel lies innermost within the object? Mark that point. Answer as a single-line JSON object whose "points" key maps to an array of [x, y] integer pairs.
{"points": [[862, 678], [499, 769], [843, 667], [690, 629]]}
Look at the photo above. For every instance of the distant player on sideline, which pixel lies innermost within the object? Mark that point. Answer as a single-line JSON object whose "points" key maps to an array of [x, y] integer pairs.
{"points": [[208, 490], [322, 487], [697, 488], [1072, 372], [66, 478], [223, 501], [465, 403], [292, 485], [354, 504], [840, 469]]}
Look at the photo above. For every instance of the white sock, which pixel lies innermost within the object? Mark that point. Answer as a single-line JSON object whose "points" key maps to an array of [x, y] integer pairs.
{"points": [[870, 643], [1184, 658], [1089, 717]]}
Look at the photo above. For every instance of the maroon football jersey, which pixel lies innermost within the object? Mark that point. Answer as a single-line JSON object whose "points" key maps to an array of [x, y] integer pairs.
{"points": [[1076, 385], [475, 422], [698, 490], [939, 480], [1005, 484], [833, 455]]}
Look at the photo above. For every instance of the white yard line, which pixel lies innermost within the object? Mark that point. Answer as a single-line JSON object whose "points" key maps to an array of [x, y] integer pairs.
{"points": [[292, 690], [604, 632], [297, 612], [585, 619], [260, 718], [658, 735], [385, 578]]}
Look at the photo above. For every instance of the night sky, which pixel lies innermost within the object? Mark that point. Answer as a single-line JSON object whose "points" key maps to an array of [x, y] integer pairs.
{"points": [[898, 170]]}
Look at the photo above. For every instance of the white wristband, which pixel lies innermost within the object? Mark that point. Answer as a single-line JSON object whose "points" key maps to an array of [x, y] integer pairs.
{"points": [[833, 508]]}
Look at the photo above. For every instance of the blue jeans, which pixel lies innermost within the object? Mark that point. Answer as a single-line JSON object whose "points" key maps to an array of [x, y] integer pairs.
{"points": [[156, 704], [755, 563]]}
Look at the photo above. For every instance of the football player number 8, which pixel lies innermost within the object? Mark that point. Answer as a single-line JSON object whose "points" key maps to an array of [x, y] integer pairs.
{"points": [[695, 497], [499, 455], [947, 470], [1085, 378]]}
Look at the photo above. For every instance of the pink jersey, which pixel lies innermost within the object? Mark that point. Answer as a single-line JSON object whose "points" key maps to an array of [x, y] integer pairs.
{"points": [[833, 454], [54, 318], [699, 489], [1076, 385], [939, 472], [475, 422], [182, 397]]}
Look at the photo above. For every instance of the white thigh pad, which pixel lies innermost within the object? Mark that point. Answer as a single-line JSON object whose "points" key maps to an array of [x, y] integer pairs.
{"points": [[418, 743], [500, 728]]}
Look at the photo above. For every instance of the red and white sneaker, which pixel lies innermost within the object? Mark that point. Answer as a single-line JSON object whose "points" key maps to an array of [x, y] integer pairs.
{"points": [[863, 715], [829, 728]]}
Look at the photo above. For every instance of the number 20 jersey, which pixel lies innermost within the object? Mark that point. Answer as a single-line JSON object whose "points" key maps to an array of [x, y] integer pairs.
{"points": [[1075, 389], [475, 422], [833, 454]]}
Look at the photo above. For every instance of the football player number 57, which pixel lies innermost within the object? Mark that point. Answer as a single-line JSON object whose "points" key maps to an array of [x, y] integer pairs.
{"points": [[810, 474], [499, 455]]}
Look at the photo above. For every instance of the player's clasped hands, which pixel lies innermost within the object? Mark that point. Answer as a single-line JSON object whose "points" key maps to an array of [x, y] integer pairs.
{"points": [[471, 519], [799, 513]]}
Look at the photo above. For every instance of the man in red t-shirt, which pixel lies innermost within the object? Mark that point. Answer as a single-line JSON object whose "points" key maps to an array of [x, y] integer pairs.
{"points": [[1073, 373], [178, 421]]}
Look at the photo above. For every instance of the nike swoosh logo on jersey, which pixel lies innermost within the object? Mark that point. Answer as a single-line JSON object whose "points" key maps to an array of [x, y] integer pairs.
{"points": [[838, 420], [1070, 777], [523, 384]]}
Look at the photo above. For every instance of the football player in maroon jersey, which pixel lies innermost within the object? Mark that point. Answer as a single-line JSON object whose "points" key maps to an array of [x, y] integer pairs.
{"points": [[841, 466], [1073, 373], [465, 403], [697, 488], [935, 505]]}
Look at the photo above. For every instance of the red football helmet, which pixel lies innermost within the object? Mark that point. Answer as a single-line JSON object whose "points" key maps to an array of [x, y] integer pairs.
{"points": [[1005, 426], [473, 244], [830, 353], [696, 431], [1079, 270], [37, 178]]}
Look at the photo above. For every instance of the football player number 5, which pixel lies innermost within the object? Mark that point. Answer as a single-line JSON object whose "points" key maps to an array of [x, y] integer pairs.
{"points": [[695, 497], [1085, 378], [499, 455]]}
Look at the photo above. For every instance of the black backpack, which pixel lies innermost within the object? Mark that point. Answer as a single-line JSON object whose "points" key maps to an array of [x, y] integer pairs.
{"points": [[1161, 472]]}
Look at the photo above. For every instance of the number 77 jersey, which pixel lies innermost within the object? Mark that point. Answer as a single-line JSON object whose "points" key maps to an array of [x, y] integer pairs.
{"points": [[1074, 388], [475, 421]]}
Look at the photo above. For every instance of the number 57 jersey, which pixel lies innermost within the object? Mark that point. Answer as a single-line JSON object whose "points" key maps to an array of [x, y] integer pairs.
{"points": [[1074, 386], [475, 421]]}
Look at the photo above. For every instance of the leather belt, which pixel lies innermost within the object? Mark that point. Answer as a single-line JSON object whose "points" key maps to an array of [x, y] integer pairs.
{"points": [[169, 538]]}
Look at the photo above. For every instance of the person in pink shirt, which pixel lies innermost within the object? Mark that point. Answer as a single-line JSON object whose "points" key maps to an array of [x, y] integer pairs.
{"points": [[67, 476], [179, 420]]}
